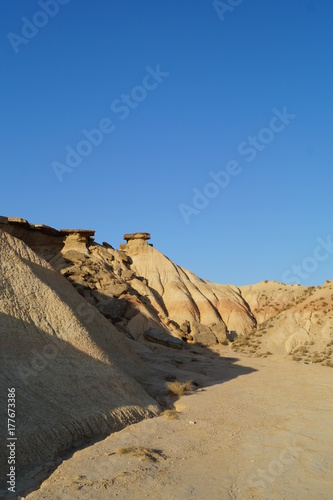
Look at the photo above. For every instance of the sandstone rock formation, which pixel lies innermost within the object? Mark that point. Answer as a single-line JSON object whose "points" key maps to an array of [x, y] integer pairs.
{"points": [[160, 337], [137, 236], [179, 295], [292, 319], [78, 318], [137, 287], [70, 367]]}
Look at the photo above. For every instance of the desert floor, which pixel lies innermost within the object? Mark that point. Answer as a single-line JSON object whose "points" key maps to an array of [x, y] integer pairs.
{"points": [[257, 428]]}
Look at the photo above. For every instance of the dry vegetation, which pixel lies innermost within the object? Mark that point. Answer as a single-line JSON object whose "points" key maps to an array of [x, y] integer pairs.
{"points": [[177, 388], [170, 414], [250, 344], [303, 353]]}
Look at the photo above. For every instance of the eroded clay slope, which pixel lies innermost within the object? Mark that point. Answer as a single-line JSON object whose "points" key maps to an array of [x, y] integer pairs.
{"points": [[67, 367], [137, 288], [292, 319], [193, 303]]}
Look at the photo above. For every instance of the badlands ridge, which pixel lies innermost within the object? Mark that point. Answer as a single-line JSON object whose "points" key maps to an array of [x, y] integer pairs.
{"points": [[84, 328]]}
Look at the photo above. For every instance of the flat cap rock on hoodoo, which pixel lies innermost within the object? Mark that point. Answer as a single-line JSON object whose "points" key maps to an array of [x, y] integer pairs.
{"points": [[137, 236]]}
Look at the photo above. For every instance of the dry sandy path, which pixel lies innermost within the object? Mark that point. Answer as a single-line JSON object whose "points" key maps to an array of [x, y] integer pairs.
{"points": [[266, 434]]}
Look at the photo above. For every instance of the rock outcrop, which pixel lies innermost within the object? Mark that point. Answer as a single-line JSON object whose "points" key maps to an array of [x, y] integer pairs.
{"points": [[70, 367], [137, 236], [137, 287], [292, 319], [75, 314], [179, 295]]}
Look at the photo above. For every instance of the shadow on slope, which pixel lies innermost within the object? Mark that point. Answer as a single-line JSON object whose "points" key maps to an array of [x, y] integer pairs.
{"points": [[149, 363], [64, 397], [68, 396]]}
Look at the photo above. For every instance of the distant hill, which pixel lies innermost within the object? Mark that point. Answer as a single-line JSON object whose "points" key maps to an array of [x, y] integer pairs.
{"points": [[292, 319]]}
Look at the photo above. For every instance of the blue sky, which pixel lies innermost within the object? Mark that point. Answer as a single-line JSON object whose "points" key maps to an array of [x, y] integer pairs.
{"points": [[218, 78]]}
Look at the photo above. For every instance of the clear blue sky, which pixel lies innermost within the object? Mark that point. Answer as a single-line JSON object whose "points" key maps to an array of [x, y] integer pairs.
{"points": [[226, 73]]}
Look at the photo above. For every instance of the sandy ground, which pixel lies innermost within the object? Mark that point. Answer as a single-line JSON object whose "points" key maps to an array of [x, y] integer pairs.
{"points": [[255, 428]]}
